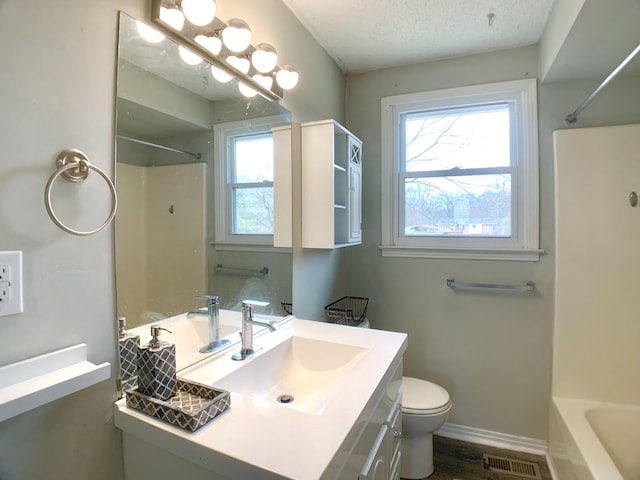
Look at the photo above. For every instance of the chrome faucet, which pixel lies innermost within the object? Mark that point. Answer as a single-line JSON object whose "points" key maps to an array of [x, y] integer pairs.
{"points": [[248, 321], [215, 342]]}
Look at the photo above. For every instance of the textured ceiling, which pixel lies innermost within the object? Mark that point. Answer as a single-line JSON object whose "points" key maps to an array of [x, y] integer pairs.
{"points": [[363, 35]]}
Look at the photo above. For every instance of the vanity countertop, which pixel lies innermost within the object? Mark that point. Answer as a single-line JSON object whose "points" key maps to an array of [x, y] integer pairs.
{"points": [[260, 439]]}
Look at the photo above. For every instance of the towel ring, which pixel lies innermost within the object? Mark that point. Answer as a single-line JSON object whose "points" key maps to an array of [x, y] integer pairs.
{"points": [[74, 166]]}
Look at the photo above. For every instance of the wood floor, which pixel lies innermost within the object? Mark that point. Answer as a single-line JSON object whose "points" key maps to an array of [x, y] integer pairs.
{"points": [[457, 460]]}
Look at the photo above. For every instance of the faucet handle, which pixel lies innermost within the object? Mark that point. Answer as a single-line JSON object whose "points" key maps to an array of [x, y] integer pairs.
{"points": [[254, 303], [211, 299]]}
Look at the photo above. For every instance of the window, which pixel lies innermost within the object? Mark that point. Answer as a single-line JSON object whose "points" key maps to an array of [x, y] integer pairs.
{"points": [[250, 186], [244, 202], [462, 173]]}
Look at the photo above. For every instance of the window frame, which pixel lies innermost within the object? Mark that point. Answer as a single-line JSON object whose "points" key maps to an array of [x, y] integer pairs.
{"points": [[223, 135], [524, 241]]}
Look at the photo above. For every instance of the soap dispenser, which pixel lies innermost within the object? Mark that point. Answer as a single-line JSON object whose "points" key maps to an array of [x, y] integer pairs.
{"points": [[157, 367], [128, 344]]}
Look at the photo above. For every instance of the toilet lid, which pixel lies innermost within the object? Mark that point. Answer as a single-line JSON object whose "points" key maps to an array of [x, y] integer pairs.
{"points": [[422, 397]]}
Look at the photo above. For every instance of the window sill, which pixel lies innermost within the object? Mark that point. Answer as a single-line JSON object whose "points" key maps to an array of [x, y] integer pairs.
{"points": [[519, 255], [237, 247]]}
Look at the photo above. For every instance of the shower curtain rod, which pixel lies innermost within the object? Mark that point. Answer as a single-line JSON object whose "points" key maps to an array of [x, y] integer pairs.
{"points": [[163, 147], [572, 117]]}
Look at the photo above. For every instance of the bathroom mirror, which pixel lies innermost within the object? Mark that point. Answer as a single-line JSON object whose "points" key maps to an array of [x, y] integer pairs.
{"points": [[167, 168]]}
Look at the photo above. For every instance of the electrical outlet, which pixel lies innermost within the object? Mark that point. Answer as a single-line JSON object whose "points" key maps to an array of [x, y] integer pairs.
{"points": [[4, 293], [10, 283], [4, 274]]}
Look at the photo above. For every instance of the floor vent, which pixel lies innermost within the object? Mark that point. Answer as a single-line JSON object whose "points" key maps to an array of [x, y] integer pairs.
{"points": [[508, 466]]}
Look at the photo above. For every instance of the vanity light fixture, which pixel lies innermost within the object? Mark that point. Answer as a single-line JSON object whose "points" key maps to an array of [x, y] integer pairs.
{"points": [[264, 58], [210, 42], [236, 36], [246, 90], [220, 75], [151, 35], [242, 64], [188, 56], [172, 17], [287, 77], [265, 80], [192, 24], [199, 12]]}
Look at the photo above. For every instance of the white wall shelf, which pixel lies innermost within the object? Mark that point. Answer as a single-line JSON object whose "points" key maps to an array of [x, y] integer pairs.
{"points": [[39, 380], [331, 186]]}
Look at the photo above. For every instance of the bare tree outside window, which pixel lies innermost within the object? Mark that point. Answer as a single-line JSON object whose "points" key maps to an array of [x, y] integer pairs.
{"points": [[253, 185], [253, 211], [455, 172]]}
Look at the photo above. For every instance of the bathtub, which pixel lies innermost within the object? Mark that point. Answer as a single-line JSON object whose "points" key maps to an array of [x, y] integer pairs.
{"points": [[590, 440]]}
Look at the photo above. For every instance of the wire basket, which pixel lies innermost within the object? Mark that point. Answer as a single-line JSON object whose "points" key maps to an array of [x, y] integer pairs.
{"points": [[287, 307], [347, 310]]}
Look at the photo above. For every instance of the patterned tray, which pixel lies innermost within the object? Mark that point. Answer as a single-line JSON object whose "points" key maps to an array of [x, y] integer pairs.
{"points": [[192, 406]]}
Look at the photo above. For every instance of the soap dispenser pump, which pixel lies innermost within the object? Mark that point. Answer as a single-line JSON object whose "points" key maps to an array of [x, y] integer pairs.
{"points": [[157, 367], [128, 345]]}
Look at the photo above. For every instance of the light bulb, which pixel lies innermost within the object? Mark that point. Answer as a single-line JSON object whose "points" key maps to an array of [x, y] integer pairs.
{"points": [[199, 12], [236, 35], [211, 43], [239, 63], [220, 75], [287, 77], [188, 56], [263, 80], [151, 35], [172, 17], [246, 90], [264, 58]]}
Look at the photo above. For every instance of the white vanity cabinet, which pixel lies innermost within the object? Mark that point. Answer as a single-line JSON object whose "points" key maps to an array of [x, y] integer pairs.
{"points": [[376, 453], [383, 461], [331, 185], [353, 433]]}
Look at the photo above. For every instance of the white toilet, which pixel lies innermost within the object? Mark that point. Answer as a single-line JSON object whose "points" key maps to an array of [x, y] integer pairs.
{"points": [[425, 408]]}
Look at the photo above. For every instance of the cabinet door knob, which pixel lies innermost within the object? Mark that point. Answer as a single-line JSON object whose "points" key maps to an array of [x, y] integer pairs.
{"points": [[396, 433]]}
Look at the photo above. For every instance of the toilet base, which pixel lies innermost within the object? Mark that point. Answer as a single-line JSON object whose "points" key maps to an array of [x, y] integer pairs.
{"points": [[416, 461]]}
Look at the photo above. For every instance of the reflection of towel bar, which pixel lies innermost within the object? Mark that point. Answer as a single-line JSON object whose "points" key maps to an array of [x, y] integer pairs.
{"points": [[241, 271], [527, 287]]}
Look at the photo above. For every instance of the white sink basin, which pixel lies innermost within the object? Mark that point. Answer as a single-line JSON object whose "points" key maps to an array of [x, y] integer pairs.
{"points": [[300, 373]]}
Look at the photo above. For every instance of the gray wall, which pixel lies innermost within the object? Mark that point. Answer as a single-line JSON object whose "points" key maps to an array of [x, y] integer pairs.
{"points": [[58, 88], [492, 351], [58, 91]]}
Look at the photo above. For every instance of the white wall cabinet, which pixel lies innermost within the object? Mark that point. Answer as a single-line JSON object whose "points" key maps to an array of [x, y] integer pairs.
{"points": [[282, 187], [331, 186]]}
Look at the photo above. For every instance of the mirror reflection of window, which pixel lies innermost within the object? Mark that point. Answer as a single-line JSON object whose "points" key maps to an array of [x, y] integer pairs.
{"points": [[250, 185], [245, 162]]}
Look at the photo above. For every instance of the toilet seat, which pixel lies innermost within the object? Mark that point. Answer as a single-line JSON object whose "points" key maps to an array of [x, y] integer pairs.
{"points": [[420, 397]]}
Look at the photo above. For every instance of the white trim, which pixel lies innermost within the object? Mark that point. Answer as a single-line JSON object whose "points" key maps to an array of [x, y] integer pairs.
{"points": [[523, 255], [221, 132], [494, 439], [237, 247], [524, 244]]}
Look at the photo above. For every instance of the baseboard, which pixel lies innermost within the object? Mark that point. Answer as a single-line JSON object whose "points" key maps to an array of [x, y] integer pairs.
{"points": [[493, 439]]}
